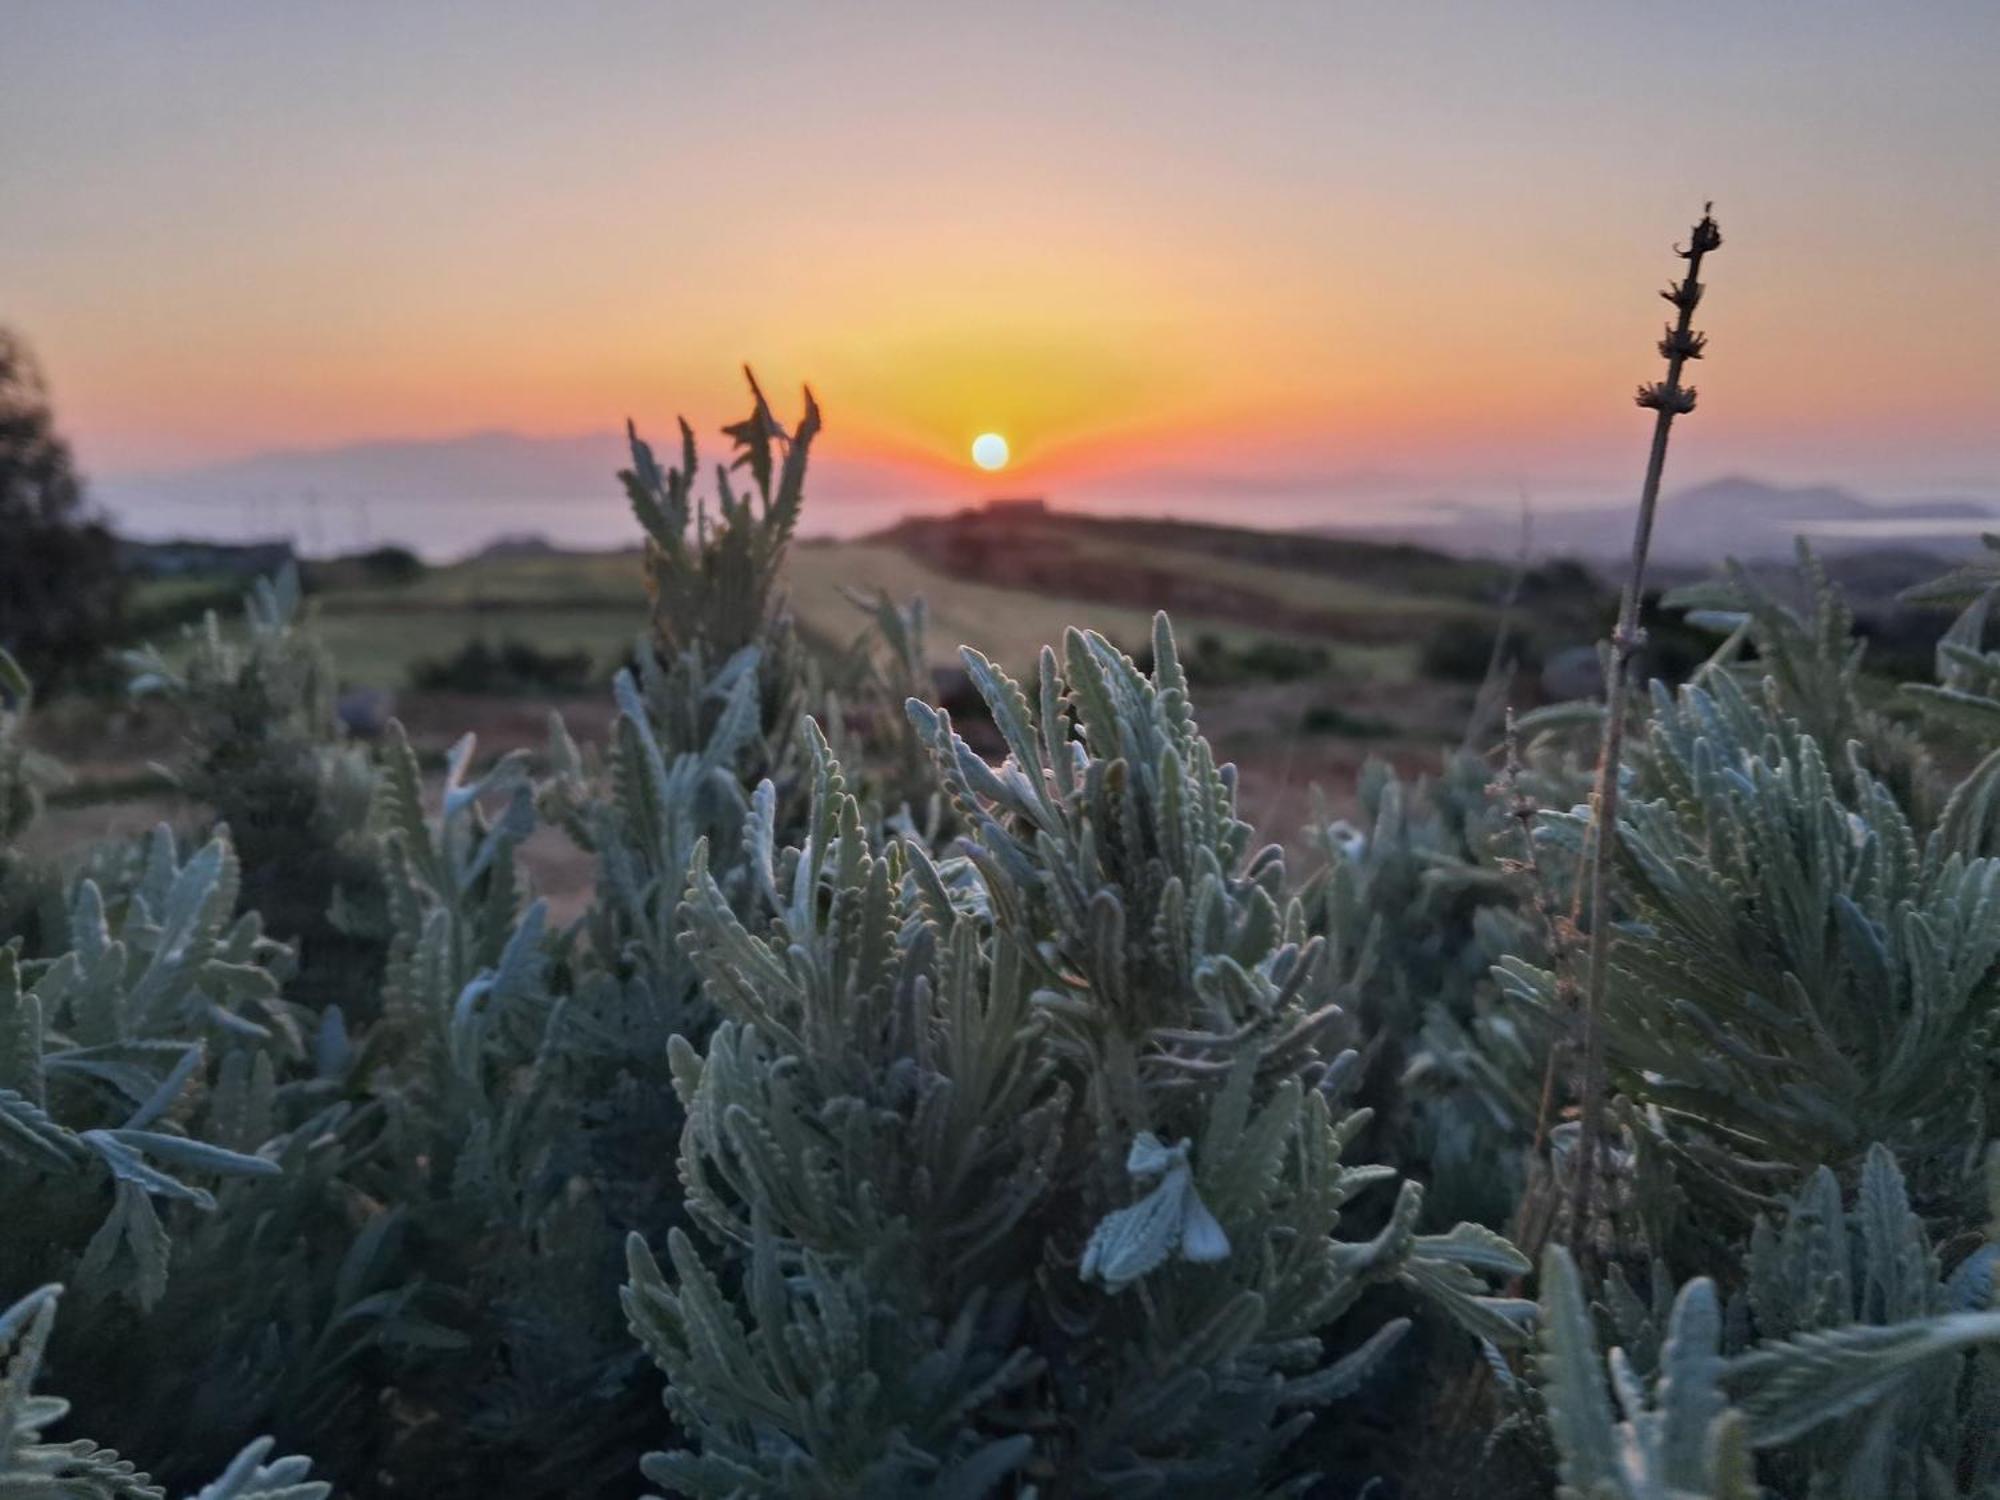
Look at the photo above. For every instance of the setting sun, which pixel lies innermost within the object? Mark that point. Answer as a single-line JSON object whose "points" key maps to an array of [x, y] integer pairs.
{"points": [[989, 451]]}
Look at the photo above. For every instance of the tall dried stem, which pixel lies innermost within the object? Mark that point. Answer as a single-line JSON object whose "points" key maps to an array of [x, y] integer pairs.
{"points": [[1667, 399], [1500, 661], [1535, 1215]]}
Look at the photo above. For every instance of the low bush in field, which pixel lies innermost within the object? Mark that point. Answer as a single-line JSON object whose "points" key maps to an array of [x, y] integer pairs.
{"points": [[1331, 718], [511, 668], [1462, 651], [387, 566], [1213, 662]]}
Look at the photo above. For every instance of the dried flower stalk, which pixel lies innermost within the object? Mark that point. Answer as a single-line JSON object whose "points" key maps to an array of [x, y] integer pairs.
{"points": [[1667, 399]]}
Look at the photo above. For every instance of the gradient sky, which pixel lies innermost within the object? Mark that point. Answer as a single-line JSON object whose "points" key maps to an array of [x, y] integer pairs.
{"points": [[1150, 243]]}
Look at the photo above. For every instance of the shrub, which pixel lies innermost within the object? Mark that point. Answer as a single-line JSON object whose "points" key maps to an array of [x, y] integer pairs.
{"points": [[514, 668], [29, 1465], [1461, 650], [1807, 965], [391, 565], [1213, 662], [894, 669], [267, 755], [159, 609], [1811, 656], [523, 1075], [487, 1074], [152, 1156], [1054, 1198], [1416, 903], [387, 566], [1845, 1318], [1331, 718], [98, 1081]]}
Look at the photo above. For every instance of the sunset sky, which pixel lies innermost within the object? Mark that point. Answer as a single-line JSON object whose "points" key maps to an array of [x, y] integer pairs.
{"points": [[1154, 245]]}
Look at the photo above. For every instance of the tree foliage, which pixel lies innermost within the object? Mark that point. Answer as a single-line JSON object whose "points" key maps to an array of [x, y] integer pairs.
{"points": [[61, 591]]}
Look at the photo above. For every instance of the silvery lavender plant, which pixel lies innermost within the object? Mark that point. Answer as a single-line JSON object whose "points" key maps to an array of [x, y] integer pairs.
{"points": [[1028, 1163]]}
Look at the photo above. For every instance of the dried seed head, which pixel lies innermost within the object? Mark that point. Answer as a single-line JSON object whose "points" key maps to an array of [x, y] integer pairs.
{"points": [[1660, 396], [1683, 344], [1707, 236], [1684, 294]]}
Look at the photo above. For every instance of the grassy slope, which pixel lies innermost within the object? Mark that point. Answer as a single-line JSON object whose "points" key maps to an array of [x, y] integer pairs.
{"points": [[1009, 625], [1312, 588], [596, 602]]}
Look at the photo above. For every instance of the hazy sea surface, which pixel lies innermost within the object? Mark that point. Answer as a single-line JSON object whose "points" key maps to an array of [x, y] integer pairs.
{"points": [[443, 529], [440, 530], [1467, 518]]}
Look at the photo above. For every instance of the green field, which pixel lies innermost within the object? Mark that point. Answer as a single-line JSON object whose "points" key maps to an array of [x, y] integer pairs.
{"points": [[596, 602]]}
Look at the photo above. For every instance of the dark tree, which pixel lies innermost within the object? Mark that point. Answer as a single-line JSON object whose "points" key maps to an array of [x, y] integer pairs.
{"points": [[61, 592]]}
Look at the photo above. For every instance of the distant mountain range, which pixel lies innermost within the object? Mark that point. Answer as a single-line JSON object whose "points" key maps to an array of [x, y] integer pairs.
{"points": [[491, 465], [447, 496], [495, 465], [1731, 517]]}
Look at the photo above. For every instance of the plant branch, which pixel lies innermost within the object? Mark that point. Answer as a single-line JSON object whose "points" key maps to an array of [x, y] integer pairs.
{"points": [[1500, 663], [1535, 1216], [1666, 399]]}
